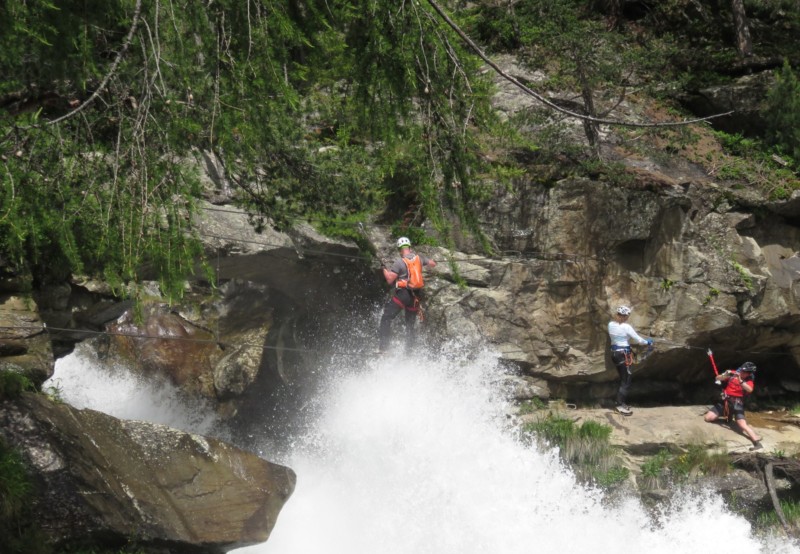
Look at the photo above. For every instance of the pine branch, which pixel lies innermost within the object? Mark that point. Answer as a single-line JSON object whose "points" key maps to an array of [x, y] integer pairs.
{"points": [[112, 70]]}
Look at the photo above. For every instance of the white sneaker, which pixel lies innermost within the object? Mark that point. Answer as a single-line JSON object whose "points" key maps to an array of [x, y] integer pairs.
{"points": [[624, 410]]}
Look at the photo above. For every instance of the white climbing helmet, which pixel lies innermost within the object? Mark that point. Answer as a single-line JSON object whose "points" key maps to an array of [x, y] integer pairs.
{"points": [[402, 242], [624, 310]]}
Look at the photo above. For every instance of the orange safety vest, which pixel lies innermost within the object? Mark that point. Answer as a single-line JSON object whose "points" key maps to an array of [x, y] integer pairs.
{"points": [[414, 281]]}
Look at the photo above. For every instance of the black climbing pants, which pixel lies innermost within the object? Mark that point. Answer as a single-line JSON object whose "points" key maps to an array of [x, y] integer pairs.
{"points": [[390, 311], [624, 370]]}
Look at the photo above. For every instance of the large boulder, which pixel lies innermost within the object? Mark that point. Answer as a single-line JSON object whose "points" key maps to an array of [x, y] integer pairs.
{"points": [[112, 481]]}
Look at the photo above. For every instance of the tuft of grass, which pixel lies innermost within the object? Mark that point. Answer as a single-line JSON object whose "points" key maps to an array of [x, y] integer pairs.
{"points": [[713, 293], [531, 406], [585, 447], [747, 279], [15, 485], [654, 471], [769, 519], [665, 468], [12, 384], [55, 391], [614, 476]]}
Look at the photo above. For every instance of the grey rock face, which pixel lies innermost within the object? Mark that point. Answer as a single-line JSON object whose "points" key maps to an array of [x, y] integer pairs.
{"points": [[744, 97], [695, 262]]}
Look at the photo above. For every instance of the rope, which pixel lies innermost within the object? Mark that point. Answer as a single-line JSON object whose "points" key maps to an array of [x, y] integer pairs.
{"points": [[705, 349], [307, 219], [223, 345], [292, 246], [685, 346]]}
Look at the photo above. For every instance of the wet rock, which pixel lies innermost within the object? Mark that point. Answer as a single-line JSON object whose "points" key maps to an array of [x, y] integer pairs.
{"points": [[745, 493], [112, 481], [24, 342], [526, 388], [166, 344]]}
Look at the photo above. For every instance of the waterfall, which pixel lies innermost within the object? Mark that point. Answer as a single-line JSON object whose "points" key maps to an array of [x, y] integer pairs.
{"points": [[418, 455], [84, 381]]}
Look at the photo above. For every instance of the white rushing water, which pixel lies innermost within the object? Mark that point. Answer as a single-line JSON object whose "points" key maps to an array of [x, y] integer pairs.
{"points": [[84, 381], [417, 456]]}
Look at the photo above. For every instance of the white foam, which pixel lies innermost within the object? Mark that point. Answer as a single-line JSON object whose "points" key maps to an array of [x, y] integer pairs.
{"points": [[84, 381], [416, 456]]}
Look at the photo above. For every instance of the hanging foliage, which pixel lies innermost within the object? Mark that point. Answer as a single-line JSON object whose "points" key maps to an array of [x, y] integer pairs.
{"points": [[313, 106]]}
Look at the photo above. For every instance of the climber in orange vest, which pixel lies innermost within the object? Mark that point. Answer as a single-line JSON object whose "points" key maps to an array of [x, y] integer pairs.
{"points": [[406, 277]]}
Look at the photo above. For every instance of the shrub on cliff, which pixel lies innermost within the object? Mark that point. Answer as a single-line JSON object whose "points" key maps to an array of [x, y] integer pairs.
{"points": [[782, 113], [12, 384]]}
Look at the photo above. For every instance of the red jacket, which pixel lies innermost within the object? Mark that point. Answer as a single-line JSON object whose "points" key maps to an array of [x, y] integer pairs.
{"points": [[734, 386]]}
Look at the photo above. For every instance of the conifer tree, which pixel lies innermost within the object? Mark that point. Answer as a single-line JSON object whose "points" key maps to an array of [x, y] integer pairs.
{"points": [[782, 113]]}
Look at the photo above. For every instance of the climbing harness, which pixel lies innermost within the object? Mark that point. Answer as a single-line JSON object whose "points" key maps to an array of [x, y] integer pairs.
{"points": [[627, 354], [630, 358], [415, 307], [726, 409]]}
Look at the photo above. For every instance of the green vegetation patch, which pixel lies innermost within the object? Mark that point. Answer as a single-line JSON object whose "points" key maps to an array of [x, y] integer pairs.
{"points": [[770, 520], [18, 528], [585, 447], [19, 532], [531, 406], [666, 468], [14, 483], [12, 384]]}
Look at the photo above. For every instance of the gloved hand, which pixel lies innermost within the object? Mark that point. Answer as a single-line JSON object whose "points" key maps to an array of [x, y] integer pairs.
{"points": [[649, 342]]}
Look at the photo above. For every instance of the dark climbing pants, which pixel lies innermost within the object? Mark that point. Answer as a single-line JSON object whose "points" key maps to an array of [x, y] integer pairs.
{"points": [[390, 311], [624, 370]]}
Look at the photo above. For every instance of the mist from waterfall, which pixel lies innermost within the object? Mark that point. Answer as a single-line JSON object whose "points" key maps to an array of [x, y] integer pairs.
{"points": [[85, 381], [419, 455]]}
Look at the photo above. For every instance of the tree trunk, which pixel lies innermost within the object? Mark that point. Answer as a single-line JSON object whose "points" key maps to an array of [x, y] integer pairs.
{"points": [[591, 128], [744, 44], [611, 8]]}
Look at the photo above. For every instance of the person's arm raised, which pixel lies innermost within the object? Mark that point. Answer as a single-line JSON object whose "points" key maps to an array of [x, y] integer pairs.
{"points": [[390, 276]]}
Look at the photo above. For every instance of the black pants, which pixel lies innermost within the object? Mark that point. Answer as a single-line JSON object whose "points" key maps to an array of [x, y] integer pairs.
{"points": [[624, 370], [390, 311]]}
